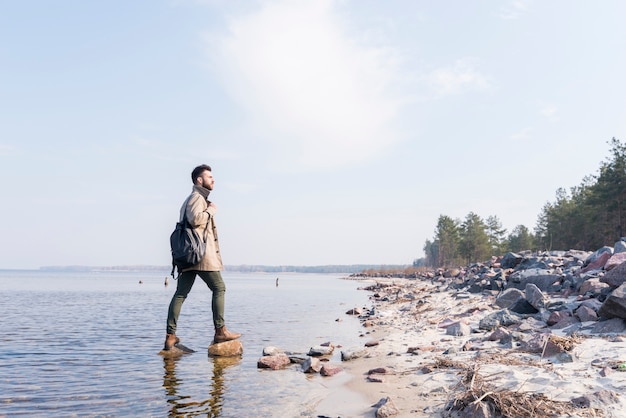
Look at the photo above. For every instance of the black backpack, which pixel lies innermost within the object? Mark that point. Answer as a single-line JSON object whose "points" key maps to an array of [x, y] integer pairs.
{"points": [[187, 246]]}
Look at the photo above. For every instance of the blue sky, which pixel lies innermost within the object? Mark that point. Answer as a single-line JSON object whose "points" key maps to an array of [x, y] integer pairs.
{"points": [[338, 130]]}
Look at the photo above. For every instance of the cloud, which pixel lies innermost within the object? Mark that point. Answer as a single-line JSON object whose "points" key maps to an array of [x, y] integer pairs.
{"points": [[460, 77], [311, 91], [514, 9], [550, 111]]}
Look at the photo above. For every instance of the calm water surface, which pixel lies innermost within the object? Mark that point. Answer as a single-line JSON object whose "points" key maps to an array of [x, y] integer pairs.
{"points": [[86, 344]]}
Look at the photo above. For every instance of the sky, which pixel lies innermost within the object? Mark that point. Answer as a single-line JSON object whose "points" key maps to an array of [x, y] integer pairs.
{"points": [[338, 130]]}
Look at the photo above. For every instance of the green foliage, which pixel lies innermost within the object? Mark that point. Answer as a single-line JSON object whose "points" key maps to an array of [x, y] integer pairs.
{"points": [[520, 239], [586, 217], [591, 215]]}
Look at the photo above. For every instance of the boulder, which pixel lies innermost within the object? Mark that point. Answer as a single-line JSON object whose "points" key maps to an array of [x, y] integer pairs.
{"points": [[509, 297], [385, 408], [312, 365], [273, 362], [598, 259], [498, 319], [510, 260], [615, 260], [321, 350], [616, 276], [615, 305], [352, 353], [620, 246], [610, 326], [535, 296], [330, 370], [458, 330], [542, 278], [232, 348]]}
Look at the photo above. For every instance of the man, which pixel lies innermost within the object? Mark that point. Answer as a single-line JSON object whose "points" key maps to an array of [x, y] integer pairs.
{"points": [[200, 213]]}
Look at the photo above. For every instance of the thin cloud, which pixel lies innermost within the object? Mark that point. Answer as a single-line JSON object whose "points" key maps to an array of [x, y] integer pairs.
{"points": [[514, 10], [310, 90], [550, 111], [460, 77]]}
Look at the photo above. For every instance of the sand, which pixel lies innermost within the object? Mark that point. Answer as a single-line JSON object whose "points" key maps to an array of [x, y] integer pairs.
{"points": [[426, 370]]}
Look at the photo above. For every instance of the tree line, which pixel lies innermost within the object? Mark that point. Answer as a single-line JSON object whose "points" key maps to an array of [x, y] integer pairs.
{"points": [[586, 217]]}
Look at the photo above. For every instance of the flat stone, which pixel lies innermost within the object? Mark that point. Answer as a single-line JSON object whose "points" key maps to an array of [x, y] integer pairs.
{"points": [[232, 348]]}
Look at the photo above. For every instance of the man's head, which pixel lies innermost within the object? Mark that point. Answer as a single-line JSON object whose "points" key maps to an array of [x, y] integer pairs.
{"points": [[202, 176]]}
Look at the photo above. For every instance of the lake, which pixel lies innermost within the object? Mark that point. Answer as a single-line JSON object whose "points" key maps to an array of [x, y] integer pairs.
{"points": [[87, 343]]}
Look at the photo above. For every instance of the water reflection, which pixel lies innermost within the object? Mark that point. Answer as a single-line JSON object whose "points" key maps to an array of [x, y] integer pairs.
{"points": [[181, 404]]}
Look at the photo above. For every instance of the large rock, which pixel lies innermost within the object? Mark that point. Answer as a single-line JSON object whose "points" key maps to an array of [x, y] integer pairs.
{"points": [[620, 246], [509, 297], [312, 365], [615, 260], [598, 259], [352, 353], [616, 276], [615, 305], [497, 319], [386, 408], [510, 260], [535, 296], [273, 362], [226, 349], [542, 278]]}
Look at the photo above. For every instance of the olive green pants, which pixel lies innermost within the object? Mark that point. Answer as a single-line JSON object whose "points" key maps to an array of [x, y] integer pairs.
{"points": [[213, 279]]}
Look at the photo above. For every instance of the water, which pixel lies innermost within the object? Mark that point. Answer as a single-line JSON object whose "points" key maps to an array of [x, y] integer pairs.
{"points": [[86, 344]]}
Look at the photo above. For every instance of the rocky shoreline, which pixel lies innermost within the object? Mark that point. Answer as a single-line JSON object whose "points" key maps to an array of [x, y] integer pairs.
{"points": [[521, 335]]}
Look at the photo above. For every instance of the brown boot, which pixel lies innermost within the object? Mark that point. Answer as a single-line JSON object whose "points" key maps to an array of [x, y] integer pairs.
{"points": [[170, 341], [222, 334]]}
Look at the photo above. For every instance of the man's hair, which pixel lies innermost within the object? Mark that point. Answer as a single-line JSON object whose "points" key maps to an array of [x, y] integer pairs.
{"points": [[197, 172]]}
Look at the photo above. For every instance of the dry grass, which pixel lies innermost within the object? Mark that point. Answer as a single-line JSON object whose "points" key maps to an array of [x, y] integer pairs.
{"points": [[472, 395]]}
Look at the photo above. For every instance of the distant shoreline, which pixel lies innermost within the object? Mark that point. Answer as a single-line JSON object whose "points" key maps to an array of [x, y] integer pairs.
{"points": [[351, 268]]}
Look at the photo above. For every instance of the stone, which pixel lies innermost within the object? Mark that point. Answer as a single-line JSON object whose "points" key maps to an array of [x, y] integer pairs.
{"points": [[557, 316], [542, 278], [585, 314], [610, 326], [510, 260], [598, 261], [330, 370], [372, 343], [535, 296], [615, 260], [597, 400], [232, 348], [273, 362], [352, 353], [312, 365], [354, 311], [620, 246], [615, 305], [616, 277], [593, 286], [497, 319], [271, 350], [321, 350], [459, 329], [386, 408], [509, 297]]}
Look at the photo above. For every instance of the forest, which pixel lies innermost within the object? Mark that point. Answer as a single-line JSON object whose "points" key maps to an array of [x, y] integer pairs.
{"points": [[586, 217]]}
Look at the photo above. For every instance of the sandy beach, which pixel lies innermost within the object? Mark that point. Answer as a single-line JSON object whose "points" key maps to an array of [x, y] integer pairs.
{"points": [[425, 370]]}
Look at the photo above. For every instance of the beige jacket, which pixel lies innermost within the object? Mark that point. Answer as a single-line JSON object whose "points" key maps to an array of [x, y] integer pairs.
{"points": [[199, 214]]}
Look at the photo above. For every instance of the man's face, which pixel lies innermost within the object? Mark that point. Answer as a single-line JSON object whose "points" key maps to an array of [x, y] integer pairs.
{"points": [[206, 179]]}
